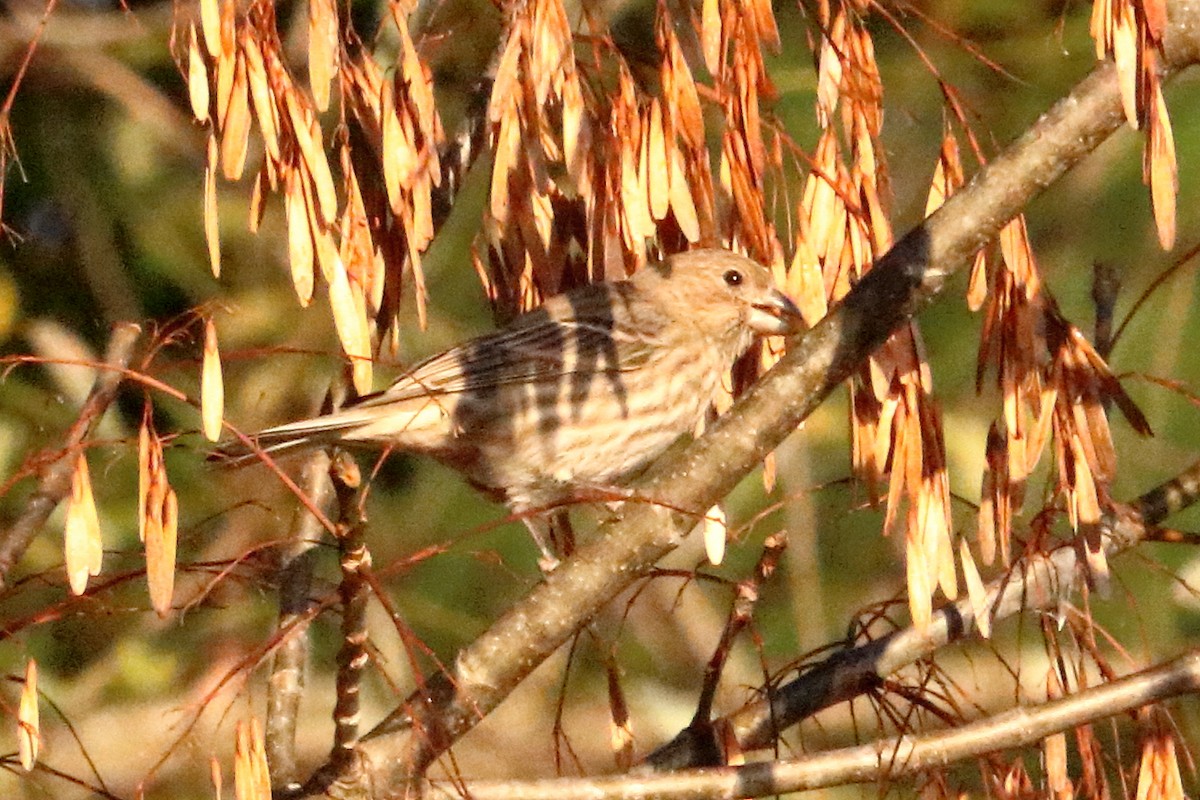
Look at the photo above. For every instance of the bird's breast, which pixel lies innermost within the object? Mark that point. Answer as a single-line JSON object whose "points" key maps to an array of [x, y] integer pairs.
{"points": [[582, 431]]}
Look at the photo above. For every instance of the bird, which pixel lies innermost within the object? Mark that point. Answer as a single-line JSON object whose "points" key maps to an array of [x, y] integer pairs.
{"points": [[578, 395]]}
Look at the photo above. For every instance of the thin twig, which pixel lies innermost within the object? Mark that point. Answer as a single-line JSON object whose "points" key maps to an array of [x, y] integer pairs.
{"points": [[59, 462], [1106, 285], [31, 48], [1174, 536], [1156, 284], [740, 615]]}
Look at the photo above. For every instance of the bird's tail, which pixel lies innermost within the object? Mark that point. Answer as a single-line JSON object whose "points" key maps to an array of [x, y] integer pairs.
{"points": [[293, 437]]}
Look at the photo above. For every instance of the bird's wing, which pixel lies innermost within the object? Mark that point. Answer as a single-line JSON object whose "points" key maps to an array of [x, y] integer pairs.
{"points": [[546, 350]]}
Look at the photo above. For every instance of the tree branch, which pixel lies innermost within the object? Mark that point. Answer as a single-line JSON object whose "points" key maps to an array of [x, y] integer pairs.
{"points": [[285, 686], [56, 474], [881, 761], [1038, 583]]}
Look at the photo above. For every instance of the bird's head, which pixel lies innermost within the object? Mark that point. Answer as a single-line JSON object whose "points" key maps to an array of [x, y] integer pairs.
{"points": [[721, 291]]}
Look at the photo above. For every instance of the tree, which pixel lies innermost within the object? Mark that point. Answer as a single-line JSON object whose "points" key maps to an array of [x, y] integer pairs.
{"points": [[597, 149]]}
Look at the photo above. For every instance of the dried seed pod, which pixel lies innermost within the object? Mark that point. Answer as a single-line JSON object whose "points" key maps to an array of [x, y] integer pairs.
{"points": [[212, 387], [198, 92], [82, 547], [29, 729]]}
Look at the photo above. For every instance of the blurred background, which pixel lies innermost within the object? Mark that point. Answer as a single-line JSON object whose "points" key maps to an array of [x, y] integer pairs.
{"points": [[103, 223]]}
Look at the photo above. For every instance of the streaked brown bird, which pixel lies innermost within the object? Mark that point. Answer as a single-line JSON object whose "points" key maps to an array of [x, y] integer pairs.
{"points": [[581, 393]]}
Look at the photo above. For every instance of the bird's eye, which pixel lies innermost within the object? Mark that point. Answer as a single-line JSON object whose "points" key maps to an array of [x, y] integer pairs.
{"points": [[733, 278]]}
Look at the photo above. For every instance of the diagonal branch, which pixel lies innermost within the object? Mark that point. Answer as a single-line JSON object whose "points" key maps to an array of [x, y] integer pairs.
{"points": [[55, 482], [905, 280], [882, 762], [1040, 583]]}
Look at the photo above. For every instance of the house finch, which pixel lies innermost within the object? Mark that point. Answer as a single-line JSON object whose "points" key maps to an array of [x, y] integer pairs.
{"points": [[581, 393]]}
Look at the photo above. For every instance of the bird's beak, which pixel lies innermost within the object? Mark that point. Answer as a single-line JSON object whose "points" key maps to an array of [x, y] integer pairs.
{"points": [[775, 315]]}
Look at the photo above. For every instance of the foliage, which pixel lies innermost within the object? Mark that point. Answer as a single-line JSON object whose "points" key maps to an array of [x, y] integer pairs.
{"points": [[405, 167]]}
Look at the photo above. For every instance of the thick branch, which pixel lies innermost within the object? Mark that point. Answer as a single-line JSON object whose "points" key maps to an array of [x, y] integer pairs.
{"points": [[903, 281], [56, 475], [285, 687]]}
